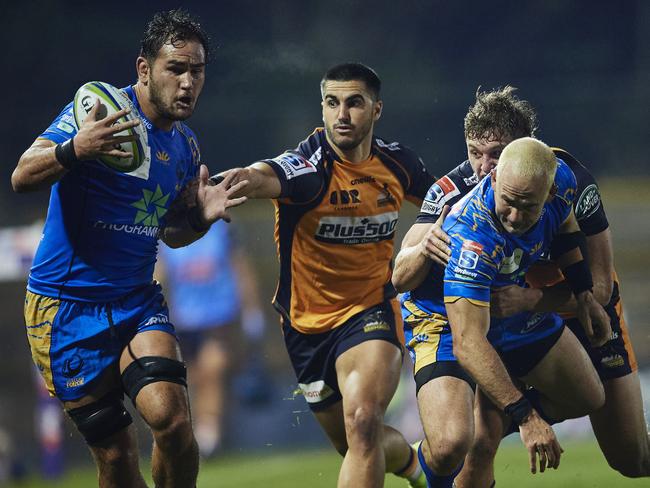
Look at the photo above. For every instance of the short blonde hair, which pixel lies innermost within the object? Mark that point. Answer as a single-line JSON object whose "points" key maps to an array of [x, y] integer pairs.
{"points": [[530, 158]]}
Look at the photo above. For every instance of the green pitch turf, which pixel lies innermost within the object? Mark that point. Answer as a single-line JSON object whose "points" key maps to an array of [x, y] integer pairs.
{"points": [[582, 466]]}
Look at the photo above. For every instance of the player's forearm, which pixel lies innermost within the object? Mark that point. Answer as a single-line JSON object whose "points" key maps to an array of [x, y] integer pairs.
{"points": [[411, 268], [37, 169], [179, 232], [477, 356]]}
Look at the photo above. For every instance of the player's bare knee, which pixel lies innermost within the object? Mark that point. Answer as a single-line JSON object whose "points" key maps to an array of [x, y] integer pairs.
{"points": [[115, 456], [483, 449], [445, 457], [363, 426], [172, 430]]}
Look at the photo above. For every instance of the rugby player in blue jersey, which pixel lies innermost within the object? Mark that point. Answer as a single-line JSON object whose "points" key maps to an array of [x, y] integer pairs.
{"points": [[497, 231], [495, 119], [97, 323]]}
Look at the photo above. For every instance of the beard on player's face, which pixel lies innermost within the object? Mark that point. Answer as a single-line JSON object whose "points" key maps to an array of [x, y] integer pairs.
{"points": [[351, 141], [164, 104]]}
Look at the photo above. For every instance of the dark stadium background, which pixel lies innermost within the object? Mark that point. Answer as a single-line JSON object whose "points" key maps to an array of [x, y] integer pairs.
{"points": [[585, 66]]}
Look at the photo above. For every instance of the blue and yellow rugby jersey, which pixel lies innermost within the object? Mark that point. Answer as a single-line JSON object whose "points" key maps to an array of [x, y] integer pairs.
{"points": [[101, 231], [485, 256], [588, 208], [335, 227]]}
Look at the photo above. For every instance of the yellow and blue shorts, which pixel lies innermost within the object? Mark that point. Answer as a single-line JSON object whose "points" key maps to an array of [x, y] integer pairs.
{"points": [[73, 342], [430, 344]]}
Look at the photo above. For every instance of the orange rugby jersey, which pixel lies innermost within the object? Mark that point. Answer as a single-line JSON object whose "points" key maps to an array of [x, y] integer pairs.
{"points": [[335, 226]]}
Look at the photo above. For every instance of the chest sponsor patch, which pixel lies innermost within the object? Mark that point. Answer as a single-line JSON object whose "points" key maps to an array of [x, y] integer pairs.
{"points": [[294, 165], [511, 263], [588, 202], [438, 195], [356, 230]]}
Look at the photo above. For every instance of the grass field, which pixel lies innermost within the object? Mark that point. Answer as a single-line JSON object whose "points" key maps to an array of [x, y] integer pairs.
{"points": [[582, 466]]}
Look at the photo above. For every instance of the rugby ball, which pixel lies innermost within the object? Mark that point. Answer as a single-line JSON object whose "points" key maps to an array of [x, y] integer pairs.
{"points": [[113, 100]]}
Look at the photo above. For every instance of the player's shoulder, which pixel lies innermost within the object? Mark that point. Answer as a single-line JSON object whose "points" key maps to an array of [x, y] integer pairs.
{"points": [[472, 216], [397, 151], [565, 181], [312, 147]]}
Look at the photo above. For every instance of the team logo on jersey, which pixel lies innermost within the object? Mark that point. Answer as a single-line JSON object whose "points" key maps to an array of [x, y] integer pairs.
{"points": [[385, 197], [294, 165], [67, 124], [472, 180], [315, 392], [151, 207], [374, 322], [438, 195], [588, 202], [469, 254], [356, 230], [72, 366], [393, 146], [511, 263], [162, 156]]}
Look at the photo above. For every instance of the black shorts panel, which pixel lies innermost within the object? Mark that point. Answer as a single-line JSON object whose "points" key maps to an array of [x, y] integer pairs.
{"points": [[522, 360], [313, 356], [615, 358]]}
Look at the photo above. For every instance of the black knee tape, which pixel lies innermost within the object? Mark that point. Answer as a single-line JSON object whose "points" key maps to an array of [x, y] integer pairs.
{"points": [[151, 369], [102, 418]]}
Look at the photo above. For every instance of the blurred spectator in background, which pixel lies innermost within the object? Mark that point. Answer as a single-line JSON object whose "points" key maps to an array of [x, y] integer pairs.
{"points": [[211, 286], [49, 427]]}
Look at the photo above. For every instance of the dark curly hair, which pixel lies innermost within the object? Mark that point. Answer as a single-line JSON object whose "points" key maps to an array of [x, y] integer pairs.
{"points": [[499, 113], [176, 27]]}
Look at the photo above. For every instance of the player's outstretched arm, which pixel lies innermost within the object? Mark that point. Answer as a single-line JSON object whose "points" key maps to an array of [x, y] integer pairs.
{"points": [[422, 245], [198, 206], [262, 180], [567, 251], [45, 162], [469, 324]]}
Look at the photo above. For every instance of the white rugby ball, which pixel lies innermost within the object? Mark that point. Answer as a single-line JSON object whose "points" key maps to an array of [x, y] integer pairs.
{"points": [[113, 100]]}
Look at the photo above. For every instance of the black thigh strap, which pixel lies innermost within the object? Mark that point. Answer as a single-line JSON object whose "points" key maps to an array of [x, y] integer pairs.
{"points": [[151, 369], [99, 420]]}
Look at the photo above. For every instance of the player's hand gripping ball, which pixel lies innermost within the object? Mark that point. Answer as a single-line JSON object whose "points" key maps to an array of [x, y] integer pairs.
{"points": [[113, 100]]}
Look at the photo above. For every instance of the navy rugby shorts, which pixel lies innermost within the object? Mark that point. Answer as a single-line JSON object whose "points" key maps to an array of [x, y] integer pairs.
{"points": [[313, 356]]}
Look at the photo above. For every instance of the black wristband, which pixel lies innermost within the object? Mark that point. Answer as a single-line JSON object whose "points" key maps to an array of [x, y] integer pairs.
{"points": [[65, 155], [196, 222], [519, 410], [578, 277]]}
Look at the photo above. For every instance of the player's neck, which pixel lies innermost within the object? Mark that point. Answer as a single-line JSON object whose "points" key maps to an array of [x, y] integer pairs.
{"points": [[149, 110], [356, 154]]}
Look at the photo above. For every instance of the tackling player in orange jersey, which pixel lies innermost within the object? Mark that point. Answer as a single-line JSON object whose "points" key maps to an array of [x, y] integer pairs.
{"points": [[337, 198]]}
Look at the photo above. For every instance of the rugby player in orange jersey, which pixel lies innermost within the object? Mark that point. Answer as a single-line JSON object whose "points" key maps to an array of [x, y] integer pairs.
{"points": [[337, 197], [496, 118]]}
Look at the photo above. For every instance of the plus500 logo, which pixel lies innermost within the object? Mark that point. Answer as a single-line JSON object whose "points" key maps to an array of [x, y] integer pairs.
{"points": [[357, 230]]}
